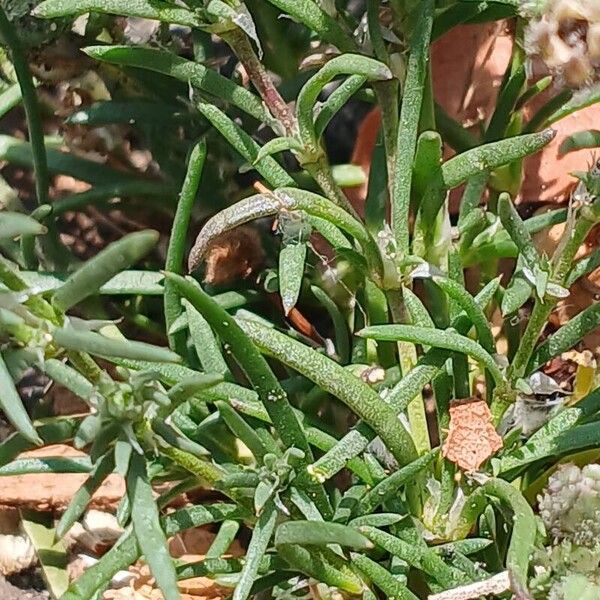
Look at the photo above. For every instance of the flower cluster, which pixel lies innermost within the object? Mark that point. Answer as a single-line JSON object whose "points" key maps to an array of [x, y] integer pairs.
{"points": [[569, 508], [565, 34]]}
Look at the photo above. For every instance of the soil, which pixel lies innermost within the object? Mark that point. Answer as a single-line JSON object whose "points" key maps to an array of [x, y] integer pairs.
{"points": [[28, 587]]}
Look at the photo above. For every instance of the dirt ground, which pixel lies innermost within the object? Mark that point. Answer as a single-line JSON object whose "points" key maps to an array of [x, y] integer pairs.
{"points": [[11, 592]]}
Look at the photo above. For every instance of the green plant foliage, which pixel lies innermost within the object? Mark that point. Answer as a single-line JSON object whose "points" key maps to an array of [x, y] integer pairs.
{"points": [[234, 323]]}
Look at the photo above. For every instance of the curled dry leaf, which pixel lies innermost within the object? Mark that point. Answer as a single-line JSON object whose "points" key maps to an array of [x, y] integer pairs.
{"points": [[472, 438], [233, 255]]}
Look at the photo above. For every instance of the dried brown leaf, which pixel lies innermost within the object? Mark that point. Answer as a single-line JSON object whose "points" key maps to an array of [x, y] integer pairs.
{"points": [[472, 438]]}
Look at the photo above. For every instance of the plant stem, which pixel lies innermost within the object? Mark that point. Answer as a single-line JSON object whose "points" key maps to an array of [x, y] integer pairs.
{"points": [[562, 261], [261, 79], [537, 321], [321, 173], [407, 354]]}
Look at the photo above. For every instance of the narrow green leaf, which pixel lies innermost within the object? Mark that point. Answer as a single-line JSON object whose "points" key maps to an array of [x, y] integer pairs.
{"points": [[83, 495], [454, 134], [145, 9], [467, 547], [268, 167], [446, 339], [25, 466], [277, 145], [377, 191], [580, 140], [19, 59], [516, 294], [319, 533], [259, 542], [310, 14], [428, 161], [490, 156], [340, 327], [14, 224], [100, 345], [291, 273], [187, 71], [223, 540], [94, 273], [52, 431], [505, 106], [177, 241], [144, 283], [390, 486], [322, 565], [207, 347], [382, 578], [146, 525], [516, 229], [9, 98], [454, 15], [345, 64], [336, 100], [12, 406], [584, 267], [334, 379], [410, 113], [242, 430], [566, 104], [471, 198], [376, 520], [466, 302], [88, 431], [566, 337], [108, 112]]}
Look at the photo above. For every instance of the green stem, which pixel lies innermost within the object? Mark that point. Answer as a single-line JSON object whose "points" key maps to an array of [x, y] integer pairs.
{"points": [[321, 173], [562, 262], [407, 354], [537, 321]]}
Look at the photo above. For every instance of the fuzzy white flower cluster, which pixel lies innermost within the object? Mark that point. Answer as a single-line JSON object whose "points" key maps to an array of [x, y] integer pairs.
{"points": [[570, 506], [565, 34]]}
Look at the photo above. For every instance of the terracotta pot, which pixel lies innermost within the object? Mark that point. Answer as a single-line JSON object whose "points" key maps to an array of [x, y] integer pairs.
{"points": [[468, 65]]}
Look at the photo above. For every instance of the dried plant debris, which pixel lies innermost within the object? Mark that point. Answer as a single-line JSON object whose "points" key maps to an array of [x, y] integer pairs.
{"points": [[234, 255], [472, 437]]}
